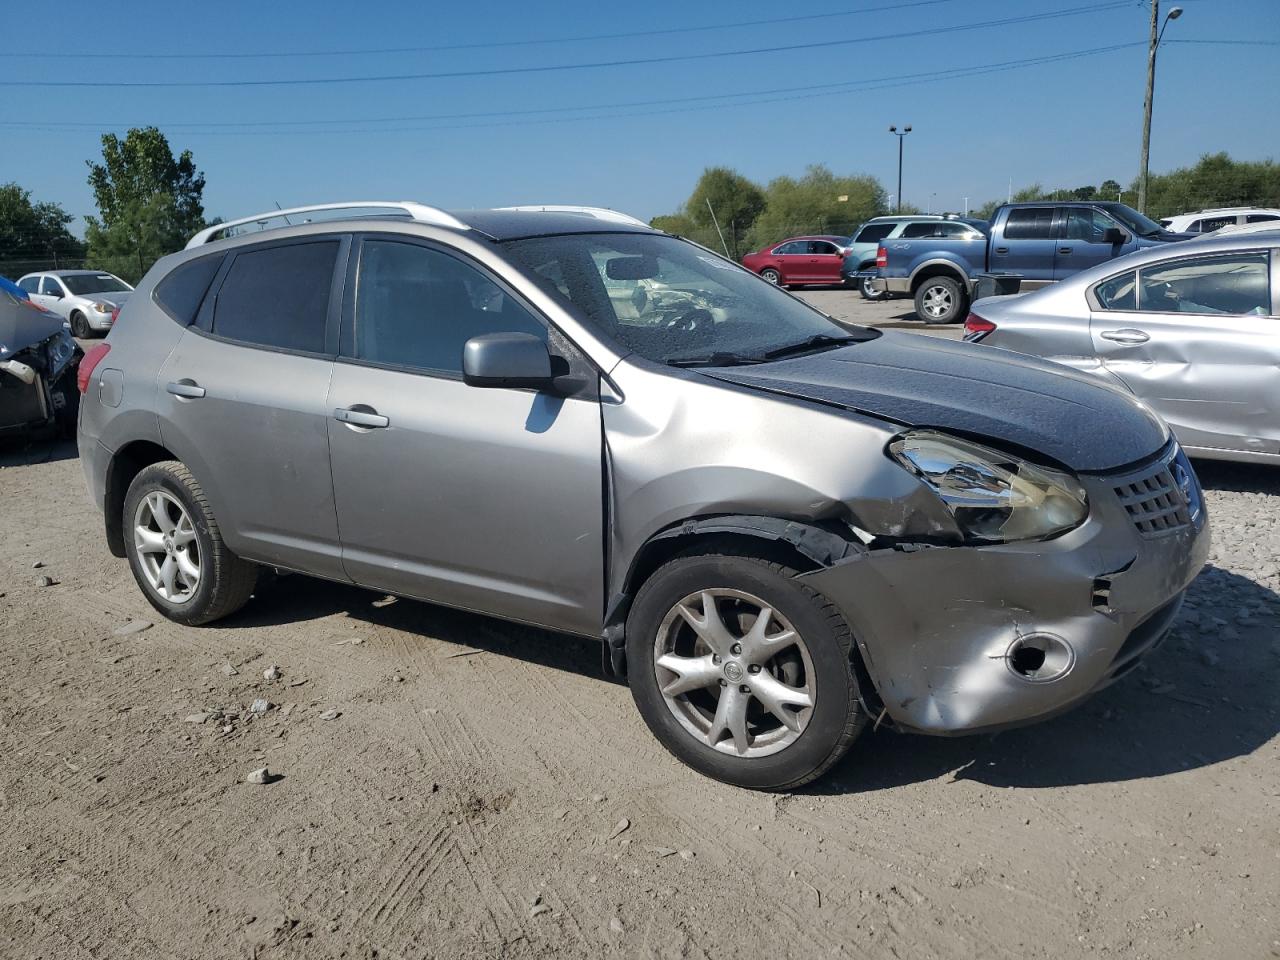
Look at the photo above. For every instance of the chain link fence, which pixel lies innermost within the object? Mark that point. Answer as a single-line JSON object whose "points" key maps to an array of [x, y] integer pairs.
{"points": [[13, 269]]}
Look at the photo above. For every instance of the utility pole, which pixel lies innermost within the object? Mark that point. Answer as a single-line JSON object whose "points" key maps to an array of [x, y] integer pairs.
{"points": [[718, 230], [901, 136], [1157, 33]]}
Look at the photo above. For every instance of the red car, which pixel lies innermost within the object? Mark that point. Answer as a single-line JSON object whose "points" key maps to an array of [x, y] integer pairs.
{"points": [[800, 260]]}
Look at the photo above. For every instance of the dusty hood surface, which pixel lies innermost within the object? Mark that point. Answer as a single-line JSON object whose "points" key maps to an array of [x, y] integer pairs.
{"points": [[923, 381], [22, 324]]}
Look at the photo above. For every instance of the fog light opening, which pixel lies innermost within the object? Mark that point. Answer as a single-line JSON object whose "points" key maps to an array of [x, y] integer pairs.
{"points": [[1040, 657]]}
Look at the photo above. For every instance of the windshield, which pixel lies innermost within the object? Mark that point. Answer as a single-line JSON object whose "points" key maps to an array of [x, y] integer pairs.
{"points": [[1131, 218], [84, 283], [673, 302]]}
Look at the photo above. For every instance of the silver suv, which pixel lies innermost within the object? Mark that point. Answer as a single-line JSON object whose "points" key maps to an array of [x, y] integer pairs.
{"points": [[781, 530]]}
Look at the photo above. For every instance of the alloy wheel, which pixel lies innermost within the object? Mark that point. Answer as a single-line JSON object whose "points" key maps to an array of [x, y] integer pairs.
{"points": [[938, 301], [734, 672], [168, 552]]}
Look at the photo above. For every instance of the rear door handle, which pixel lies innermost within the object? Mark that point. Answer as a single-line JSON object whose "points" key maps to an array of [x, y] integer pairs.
{"points": [[361, 418], [187, 389], [1002, 249], [1128, 335]]}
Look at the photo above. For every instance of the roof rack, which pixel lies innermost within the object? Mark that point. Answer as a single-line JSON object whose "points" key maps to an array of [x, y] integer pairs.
{"points": [[600, 213], [415, 211]]}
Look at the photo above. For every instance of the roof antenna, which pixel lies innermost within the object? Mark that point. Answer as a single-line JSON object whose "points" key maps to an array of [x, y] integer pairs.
{"points": [[286, 216]]}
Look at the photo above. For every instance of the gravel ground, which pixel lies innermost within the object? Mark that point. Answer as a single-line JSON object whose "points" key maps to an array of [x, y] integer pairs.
{"points": [[443, 785]]}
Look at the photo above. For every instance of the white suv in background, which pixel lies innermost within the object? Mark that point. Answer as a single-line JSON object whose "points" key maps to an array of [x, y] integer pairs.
{"points": [[1207, 221]]}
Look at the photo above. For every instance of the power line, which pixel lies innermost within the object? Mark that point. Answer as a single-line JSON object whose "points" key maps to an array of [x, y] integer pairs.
{"points": [[467, 46], [549, 68], [790, 93], [1248, 43], [614, 105]]}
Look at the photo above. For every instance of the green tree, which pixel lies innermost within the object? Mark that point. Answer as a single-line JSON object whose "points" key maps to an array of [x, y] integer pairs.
{"points": [[736, 201], [814, 204], [1215, 181], [31, 233], [149, 202]]}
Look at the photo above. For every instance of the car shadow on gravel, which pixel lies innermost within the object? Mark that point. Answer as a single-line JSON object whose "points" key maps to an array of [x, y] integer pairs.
{"points": [[1202, 697], [295, 599], [1238, 477], [29, 451]]}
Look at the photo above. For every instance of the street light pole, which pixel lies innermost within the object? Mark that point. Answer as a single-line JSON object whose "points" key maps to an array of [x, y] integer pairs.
{"points": [[901, 136], [1157, 34]]}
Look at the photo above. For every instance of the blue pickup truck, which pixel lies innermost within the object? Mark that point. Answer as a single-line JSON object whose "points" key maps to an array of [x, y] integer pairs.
{"points": [[1023, 247]]}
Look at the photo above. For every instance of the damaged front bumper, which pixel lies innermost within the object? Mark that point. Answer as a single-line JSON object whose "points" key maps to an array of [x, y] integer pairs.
{"points": [[952, 636]]}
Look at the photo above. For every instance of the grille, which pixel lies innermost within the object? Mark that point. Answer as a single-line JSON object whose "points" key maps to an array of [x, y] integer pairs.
{"points": [[1153, 499]]}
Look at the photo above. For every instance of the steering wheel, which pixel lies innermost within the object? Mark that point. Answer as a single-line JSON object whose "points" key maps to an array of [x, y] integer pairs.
{"points": [[690, 320]]}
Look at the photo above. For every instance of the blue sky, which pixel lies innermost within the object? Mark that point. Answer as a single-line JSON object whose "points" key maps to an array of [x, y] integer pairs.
{"points": [[1063, 123]]}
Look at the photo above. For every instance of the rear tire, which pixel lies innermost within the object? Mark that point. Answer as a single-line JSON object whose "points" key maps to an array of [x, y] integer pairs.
{"points": [[868, 292], [773, 276], [176, 551], [941, 300], [761, 750]]}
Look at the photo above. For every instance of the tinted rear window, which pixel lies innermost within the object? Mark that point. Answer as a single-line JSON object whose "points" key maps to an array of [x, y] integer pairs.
{"points": [[1033, 223], [183, 290], [278, 297]]}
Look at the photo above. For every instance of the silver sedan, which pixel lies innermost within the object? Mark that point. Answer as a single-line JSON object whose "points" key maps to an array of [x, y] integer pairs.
{"points": [[1193, 329]]}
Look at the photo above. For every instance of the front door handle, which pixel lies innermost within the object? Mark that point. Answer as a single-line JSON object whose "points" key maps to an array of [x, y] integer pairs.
{"points": [[1128, 335], [1002, 249], [367, 417], [187, 389], [1065, 250]]}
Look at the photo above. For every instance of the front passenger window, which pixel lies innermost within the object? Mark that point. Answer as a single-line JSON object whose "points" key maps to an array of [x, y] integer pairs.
{"points": [[416, 307]]}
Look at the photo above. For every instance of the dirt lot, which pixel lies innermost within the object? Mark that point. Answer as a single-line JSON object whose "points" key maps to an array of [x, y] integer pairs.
{"points": [[483, 793]]}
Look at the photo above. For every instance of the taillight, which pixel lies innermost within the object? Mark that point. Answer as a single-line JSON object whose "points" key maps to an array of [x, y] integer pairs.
{"points": [[115, 315], [87, 364], [975, 325], [882, 257]]}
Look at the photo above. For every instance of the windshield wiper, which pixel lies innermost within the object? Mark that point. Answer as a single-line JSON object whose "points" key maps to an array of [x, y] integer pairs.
{"points": [[818, 342], [717, 359]]}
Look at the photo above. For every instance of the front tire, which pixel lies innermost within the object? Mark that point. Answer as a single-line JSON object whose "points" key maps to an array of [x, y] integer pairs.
{"points": [[80, 326], [941, 300], [743, 672], [176, 551]]}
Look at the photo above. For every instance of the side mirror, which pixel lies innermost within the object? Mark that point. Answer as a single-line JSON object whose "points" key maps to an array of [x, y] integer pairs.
{"points": [[506, 360], [1114, 235]]}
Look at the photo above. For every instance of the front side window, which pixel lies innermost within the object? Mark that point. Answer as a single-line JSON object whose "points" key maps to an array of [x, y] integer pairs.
{"points": [[83, 284], [1030, 223], [1261, 218], [416, 307], [278, 296], [873, 233], [915, 230], [668, 300], [1087, 224], [1236, 284]]}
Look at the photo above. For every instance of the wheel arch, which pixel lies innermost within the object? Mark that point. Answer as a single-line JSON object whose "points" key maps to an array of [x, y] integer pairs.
{"points": [[805, 547], [937, 268], [125, 464]]}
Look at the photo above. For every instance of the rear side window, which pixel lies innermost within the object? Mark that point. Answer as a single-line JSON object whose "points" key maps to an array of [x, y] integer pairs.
{"points": [[1118, 293], [1030, 223], [822, 247], [416, 307], [1210, 224], [915, 230], [873, 233], [29, 284], [182, 291], [278, 297], [795, 246]]}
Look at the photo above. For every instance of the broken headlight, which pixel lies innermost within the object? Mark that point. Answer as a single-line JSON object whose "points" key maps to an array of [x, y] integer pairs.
{"points": [[993, 496]]}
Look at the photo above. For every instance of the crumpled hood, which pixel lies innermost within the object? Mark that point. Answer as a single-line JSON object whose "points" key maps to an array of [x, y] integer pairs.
{"points": [[23, 324], [923, 381]]}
